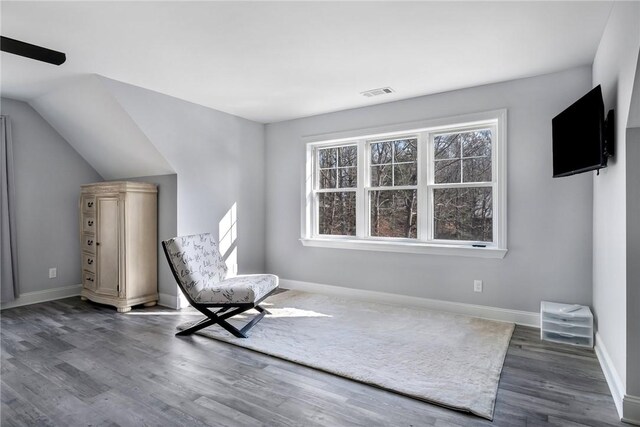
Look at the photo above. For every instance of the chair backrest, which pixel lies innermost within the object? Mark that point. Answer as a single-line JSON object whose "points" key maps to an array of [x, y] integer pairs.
{"points": [[195, 261]]}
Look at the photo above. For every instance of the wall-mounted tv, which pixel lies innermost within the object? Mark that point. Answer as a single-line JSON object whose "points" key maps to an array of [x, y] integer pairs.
{"points": [[582, 137]]}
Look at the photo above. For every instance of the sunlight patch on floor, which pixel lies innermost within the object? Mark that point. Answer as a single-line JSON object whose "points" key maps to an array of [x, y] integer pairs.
{"points": [[163, 313]]}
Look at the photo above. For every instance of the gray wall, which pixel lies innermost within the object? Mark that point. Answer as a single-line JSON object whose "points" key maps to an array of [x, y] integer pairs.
{"points": [[633, 259], [219, 159], [48, 175], [167, 225], [633, 237], [549, 220], [614, 68]]}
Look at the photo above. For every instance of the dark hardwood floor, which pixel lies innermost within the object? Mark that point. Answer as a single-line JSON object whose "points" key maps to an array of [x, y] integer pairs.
{"points": [[75, 363]]}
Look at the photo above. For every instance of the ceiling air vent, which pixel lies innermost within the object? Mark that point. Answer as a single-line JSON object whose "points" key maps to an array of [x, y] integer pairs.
{"points": [[376, 92]]}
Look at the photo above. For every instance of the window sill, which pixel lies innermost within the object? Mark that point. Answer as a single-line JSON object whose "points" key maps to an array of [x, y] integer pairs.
{"points": [[407, 247]]}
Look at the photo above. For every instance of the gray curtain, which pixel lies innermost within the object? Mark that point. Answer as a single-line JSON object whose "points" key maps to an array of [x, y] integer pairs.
{"points": [[8, 251]]}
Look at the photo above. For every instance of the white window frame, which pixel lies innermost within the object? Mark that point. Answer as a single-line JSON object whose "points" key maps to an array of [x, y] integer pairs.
{"points": [[424, 130]]}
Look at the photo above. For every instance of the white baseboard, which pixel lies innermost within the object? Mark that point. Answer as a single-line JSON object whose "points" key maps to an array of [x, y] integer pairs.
{"points": [[610, 373], [493, 313], [43, 296], [631, 409], [27, 298]]}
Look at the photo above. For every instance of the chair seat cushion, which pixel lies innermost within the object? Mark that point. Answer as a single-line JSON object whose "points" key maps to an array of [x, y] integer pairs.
{"points": [[242, 289]]}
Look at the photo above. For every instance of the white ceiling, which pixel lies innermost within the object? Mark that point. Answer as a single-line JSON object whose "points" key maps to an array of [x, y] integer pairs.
{"points": [[273, 61]]}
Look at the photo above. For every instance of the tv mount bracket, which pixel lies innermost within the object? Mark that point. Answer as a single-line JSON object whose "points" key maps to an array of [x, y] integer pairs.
{"points": [[609, 135]]}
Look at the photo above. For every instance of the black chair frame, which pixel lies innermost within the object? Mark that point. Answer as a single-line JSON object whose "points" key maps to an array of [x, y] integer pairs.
{"points": [[224, 312]]}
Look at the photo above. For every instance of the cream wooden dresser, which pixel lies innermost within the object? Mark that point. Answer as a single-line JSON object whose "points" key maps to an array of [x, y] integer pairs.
{"points": [[118, 231]]}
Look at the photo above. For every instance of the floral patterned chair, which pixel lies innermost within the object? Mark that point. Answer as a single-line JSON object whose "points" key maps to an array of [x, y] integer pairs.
{"points": [[201, 274]]}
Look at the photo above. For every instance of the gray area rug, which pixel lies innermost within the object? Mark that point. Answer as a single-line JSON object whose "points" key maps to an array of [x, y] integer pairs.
{"points": [[442, 358]]}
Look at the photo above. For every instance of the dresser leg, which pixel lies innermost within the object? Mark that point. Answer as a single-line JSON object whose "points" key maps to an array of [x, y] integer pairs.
{"points": [[150, 303], [83, 298], [124, 309]]}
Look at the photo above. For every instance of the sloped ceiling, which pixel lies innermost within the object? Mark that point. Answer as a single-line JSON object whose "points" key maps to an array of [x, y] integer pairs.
{"points": [[89, 117]]}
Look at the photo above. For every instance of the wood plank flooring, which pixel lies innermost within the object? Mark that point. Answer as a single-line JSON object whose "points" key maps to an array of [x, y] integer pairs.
{"points": [[75, 363]]}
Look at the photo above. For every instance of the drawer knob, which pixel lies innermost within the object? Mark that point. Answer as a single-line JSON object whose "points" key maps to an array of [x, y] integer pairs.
{"points": [[89, 279], [90, 223], [89, 242], [89, 261], [90, 204], [97, 243]]}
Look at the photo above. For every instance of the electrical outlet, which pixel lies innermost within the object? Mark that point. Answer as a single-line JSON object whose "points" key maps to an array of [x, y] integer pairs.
{"points": [[53, 272], [477, 286]]}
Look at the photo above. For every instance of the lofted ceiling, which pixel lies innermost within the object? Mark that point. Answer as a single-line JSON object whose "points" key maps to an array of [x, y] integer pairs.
{"points": [[273, 61]]}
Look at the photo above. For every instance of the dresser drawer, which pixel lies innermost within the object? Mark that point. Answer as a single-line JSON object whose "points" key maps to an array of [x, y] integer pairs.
{"points": [[88, 280], [89, 243], [88, 223], [89, 263], [88, 204]]}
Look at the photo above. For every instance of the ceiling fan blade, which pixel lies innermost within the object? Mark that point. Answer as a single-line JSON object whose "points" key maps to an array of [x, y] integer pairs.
{"points": [[31, 51]]}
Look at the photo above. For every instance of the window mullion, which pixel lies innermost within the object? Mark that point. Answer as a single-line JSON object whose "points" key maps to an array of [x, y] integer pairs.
{"points": [[390, 187], [315, 184], [361, 196], [463, 185], [423, 179], [431, 181]]}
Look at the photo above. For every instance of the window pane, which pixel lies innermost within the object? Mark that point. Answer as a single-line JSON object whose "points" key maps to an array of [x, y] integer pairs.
{"points": [[476, 144], [447, 171], [476, 170], [337, 213], [406, 150], [463, 214], [327, 178], [447, 146], [381, 153], [327, 157], [394, 213], [348, 156], [405, 174], [348, 177], [381, 176]]}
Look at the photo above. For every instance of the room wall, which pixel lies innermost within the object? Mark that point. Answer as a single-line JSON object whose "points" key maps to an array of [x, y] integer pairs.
{"points": [[614, 68], [219, 159], [549, 220], [167, 228], [633, 258], [48, 175]]}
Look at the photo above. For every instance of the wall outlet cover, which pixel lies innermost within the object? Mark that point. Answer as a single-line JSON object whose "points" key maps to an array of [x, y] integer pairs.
{"points": [[477, 286], [53, 272]]}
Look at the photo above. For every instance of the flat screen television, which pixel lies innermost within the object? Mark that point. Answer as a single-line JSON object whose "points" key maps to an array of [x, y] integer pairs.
{"points": [[582, 138]]}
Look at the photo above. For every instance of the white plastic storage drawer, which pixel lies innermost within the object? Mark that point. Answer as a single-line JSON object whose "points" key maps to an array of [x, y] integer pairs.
{"points": [[567, 339], [566, 323]]}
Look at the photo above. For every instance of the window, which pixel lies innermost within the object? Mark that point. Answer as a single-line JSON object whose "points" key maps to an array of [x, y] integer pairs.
{"points": [[462, 186], [337, 180], [432, 187], [393, 188]]}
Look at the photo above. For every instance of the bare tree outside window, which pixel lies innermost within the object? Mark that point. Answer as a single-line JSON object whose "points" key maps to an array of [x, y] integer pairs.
{"points": [[463, 213], [393, 210], [337, 171]]}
